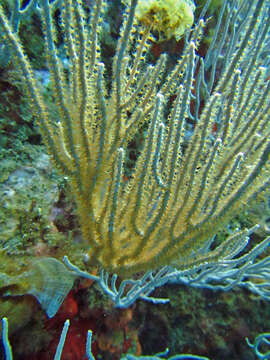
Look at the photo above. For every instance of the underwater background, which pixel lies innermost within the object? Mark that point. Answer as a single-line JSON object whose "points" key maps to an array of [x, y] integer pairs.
{"points": [[38, 219]]}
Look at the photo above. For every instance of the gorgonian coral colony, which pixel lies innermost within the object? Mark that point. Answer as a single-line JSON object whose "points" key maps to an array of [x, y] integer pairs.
{"points": [[184, 187]]}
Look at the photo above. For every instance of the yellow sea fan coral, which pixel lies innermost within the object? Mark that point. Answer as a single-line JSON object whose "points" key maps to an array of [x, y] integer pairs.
{"points": [[169, 17]]}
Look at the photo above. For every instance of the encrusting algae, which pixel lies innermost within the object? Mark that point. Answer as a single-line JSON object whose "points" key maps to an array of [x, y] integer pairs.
{"points": [[169, 18]]}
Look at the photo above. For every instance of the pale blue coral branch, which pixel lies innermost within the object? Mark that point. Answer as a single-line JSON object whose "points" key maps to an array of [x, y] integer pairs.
{"points": [[140, 289], [62, 340], [259, 340], [89, 354], [224, 275], [163, 356], [6, 344]]}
